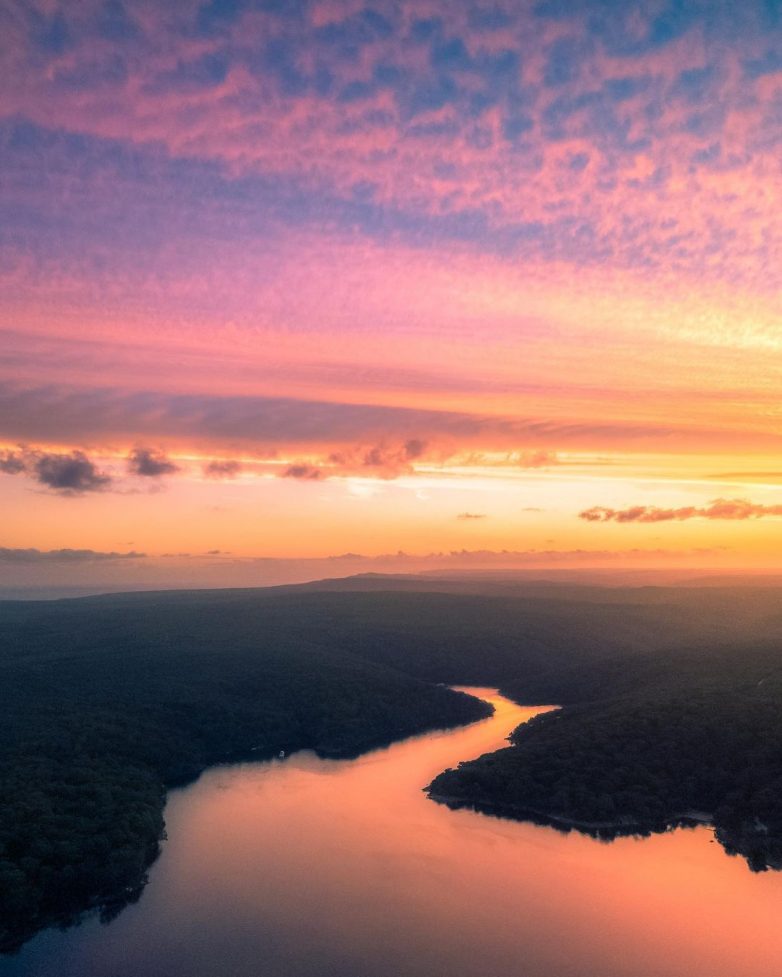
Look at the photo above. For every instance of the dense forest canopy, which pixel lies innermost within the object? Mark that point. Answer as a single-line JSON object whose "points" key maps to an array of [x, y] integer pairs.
{"points": [[672, 702]]}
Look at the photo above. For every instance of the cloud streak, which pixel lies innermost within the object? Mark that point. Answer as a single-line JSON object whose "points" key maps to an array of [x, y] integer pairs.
{"points": [[393, 437], [63, 556], [730, 509]]}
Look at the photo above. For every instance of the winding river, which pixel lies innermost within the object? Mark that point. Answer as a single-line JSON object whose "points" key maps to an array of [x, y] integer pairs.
{"points": [[326, 868]]}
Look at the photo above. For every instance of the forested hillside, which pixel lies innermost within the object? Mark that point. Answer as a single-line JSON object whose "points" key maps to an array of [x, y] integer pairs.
{"points": [[107, 701]]}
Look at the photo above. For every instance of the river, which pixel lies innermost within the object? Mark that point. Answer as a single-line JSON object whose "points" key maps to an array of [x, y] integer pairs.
{"points": [[344, 868]]}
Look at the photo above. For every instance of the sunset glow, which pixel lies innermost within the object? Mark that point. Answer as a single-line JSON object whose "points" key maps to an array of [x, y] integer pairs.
{"points": [[294, 290]]}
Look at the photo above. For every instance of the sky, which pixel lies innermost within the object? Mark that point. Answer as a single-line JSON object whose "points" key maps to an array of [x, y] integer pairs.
{"points": [[293, 289]]}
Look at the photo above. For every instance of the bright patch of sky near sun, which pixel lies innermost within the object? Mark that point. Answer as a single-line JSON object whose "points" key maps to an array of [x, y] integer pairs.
{"points": [[306, 279]]}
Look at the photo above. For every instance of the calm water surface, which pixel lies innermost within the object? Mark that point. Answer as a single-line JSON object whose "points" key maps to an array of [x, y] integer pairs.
{"points": [[323, 868]]}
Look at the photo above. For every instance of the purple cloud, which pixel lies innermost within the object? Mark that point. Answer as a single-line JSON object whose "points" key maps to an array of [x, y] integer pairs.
{"points": [[302, 471], [149, 463], [69, 473]]}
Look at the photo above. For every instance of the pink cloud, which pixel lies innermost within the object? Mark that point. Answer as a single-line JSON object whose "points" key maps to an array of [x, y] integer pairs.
{"points": [[732, 509]]}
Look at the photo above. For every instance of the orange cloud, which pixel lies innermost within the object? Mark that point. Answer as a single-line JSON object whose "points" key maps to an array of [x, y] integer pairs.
{"points": [[718, 509]]}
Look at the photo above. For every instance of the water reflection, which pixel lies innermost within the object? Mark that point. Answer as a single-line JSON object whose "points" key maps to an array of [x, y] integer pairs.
{"points": [[313, 868]]}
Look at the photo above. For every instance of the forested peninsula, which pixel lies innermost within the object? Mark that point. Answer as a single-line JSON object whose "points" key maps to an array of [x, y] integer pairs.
{"points": [[688, 732], [639, 764]]}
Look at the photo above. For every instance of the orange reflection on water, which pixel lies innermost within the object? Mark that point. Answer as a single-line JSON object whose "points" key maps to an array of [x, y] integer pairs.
{"points": [[313, 867]]}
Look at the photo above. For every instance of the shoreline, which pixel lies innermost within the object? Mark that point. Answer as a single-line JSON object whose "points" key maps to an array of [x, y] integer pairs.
{"points": [[623, 826], [14, 937], [754, 843]]}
